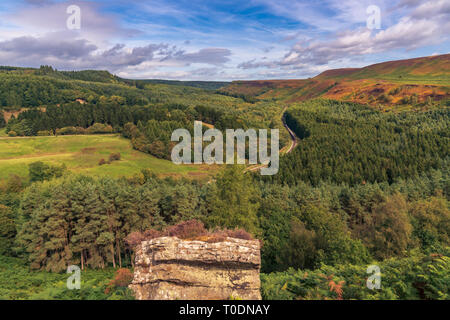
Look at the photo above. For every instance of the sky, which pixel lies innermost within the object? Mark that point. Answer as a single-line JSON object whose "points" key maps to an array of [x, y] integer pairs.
{"points": [[219, 40]]}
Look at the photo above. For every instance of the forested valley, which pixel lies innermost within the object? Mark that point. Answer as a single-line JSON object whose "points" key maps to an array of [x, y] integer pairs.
{"points": [[362, 187], [96, 102], [354, 144]]}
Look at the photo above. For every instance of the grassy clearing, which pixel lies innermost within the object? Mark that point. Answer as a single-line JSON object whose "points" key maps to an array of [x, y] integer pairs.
{"points": [[81, 154]]}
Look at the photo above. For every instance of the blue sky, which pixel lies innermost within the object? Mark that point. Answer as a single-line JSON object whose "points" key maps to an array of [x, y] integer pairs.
{"points": [[219, 40]]}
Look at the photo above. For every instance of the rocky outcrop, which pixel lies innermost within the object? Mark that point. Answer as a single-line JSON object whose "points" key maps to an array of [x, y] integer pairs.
{"points": [[169, 268]]}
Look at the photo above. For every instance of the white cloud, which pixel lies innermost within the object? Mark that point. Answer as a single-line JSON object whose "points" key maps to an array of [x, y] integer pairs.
{"points": [[330, 34], [428, 24]]}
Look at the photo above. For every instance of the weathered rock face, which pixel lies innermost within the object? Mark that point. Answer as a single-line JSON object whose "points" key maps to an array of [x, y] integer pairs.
{"points": [[168, 268]]}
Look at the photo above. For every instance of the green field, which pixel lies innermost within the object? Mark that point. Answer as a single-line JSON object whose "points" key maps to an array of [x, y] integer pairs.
{"points": [[82, 153]]}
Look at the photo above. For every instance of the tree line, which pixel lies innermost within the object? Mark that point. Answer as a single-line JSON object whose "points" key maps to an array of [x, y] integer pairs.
{"points": [[85, 220], [17, 90], [149, 127]]}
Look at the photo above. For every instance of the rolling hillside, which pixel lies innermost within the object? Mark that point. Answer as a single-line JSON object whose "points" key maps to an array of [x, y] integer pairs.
{"points": [[404, 82], [426, 68], [104, 76], [81, 154]]}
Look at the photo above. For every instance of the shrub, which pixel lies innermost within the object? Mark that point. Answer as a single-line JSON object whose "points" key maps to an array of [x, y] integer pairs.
{"points": [[405, 100], [191, 229], [114, 157], [187, 229], [80, 130], [99, 128], [221, 235], [39, 171], [66, 131], [12, 133], [239, 234], [130, 130], [122, 279], [135, 238], [44, 133], [394, 91], [385, 98]]}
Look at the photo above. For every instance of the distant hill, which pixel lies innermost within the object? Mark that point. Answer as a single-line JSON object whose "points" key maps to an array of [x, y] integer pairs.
{"points": [[425, 68], [402, 82], [34, 87], [104, 76], [91, 75], [411, 82], [208, 85]]}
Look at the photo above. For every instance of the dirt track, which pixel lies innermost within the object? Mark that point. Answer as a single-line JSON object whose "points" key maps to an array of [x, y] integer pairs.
{"points": [[294, 142]]}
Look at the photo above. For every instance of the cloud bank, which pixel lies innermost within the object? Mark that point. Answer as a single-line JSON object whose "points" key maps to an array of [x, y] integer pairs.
{"points": [[217, 41]]}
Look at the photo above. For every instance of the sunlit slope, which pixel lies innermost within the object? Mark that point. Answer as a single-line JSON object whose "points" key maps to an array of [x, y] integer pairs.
{"points": [[411, 81], [83, 153], [435, 68]]}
